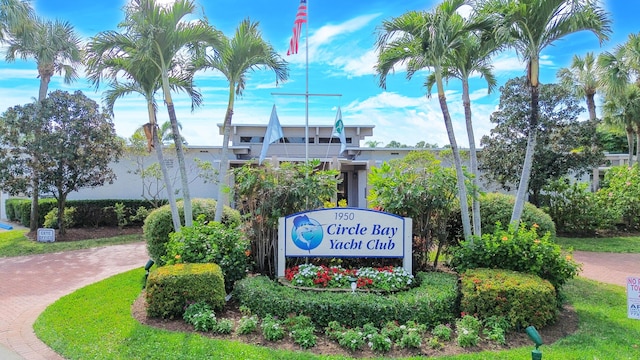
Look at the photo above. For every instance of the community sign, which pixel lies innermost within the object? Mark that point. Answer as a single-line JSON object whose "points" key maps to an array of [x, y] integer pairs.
{"points": [[342, 233]]}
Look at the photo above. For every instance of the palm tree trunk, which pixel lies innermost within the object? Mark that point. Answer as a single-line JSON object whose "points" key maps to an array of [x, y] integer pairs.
{"points": [[462, 189], [591, 106], [175, 216], [177, 139], [523, 186], [475, 208], [35, 176], [224, 164], [630, 144]]}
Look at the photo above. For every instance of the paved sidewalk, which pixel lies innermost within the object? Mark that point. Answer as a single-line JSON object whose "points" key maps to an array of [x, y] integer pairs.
{"points": [[608, 267], [29, 284]]}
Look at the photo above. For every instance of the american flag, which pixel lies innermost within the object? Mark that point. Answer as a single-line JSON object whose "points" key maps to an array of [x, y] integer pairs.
{"points": [[301, 18]]}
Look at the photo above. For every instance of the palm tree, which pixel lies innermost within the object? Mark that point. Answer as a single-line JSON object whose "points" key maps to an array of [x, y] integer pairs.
{"points": [[111, 55], [472, 57], [529, 27], [426, 40], [623, 110], [15, 17], [165, 37], [617, 72], [56, 49], [582, 79], [234, 58]]}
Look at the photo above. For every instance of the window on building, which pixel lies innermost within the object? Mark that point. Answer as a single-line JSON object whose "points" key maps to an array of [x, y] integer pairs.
{"points": [[332, 140]]}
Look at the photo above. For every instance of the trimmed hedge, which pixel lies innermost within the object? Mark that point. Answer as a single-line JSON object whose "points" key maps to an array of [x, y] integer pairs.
{"points": [[89, 213], [432, 302], [497, 207], [159, 224], [522, 299], [171, 288]]}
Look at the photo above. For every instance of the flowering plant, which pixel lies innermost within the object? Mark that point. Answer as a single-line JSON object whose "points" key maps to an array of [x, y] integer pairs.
{"points": [[387, 278]]}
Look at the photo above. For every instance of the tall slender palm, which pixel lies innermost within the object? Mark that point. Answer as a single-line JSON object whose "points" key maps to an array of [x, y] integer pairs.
{"points": [[474, 56], [234, 58], [15, 17], [110, 56], [623, 111], [425, 40], [531, 26], [582, 79], [165, 37], [617, 72], [55, 47]]}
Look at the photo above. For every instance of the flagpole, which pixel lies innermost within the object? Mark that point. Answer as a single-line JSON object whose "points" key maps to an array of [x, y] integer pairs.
{"points": [[306, 91]]}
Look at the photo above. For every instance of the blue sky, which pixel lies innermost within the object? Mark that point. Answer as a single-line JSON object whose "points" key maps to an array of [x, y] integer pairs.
{"points": [[341, 60]]}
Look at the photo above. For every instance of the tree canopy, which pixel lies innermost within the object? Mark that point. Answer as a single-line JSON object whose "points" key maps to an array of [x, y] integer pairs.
{"points": [[75, 143], [564, 144]]}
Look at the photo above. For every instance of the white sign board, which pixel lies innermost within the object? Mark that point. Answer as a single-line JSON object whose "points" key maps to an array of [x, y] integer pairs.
{"points": [[46, 235], [633, 297], [344, 232]]}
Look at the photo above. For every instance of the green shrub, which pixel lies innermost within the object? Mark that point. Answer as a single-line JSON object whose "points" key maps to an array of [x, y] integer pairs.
{"points": [[211, 243], [522, 299], [51, 219], [272, 329], [576, 210], [201, 316], [433, 302], [89, 213], [468, 329], [442, 332], [621, 192], [497, 207], [247, 324], [171, 288], [523, 250], [159, 224]]}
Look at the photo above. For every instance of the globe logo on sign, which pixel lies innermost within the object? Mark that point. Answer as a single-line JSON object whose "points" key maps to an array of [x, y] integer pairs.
{"points": [[306, 233]]}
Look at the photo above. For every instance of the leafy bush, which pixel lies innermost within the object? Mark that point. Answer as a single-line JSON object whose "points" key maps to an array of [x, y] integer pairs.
{"points": [[211, 242], [496, 208], [201, 316], [301, 330], [621, 192], [51, 219], [433, 302], [272, 329], [495, 328], [418, 187], [576, 210], [468, 329], [159, 224], [247, 324], [170, 288], [266, 193], [442, 332], [89, 213], [522, 250], [521, 299]]}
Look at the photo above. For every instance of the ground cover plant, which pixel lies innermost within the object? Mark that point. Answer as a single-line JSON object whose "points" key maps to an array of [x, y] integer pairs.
{"points": [[74, 326]]}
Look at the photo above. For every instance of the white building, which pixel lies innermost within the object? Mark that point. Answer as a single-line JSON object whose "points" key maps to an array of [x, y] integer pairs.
{"points": [[246, 144]]}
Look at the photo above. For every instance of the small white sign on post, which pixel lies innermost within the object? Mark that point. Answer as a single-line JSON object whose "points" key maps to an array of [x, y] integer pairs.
{"points": [[633, 297], [46, 235]]}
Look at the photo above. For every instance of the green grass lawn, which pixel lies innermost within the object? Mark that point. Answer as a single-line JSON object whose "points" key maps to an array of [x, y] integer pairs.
{"points": [[96, 322], [14, 243], [625, 244]]}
